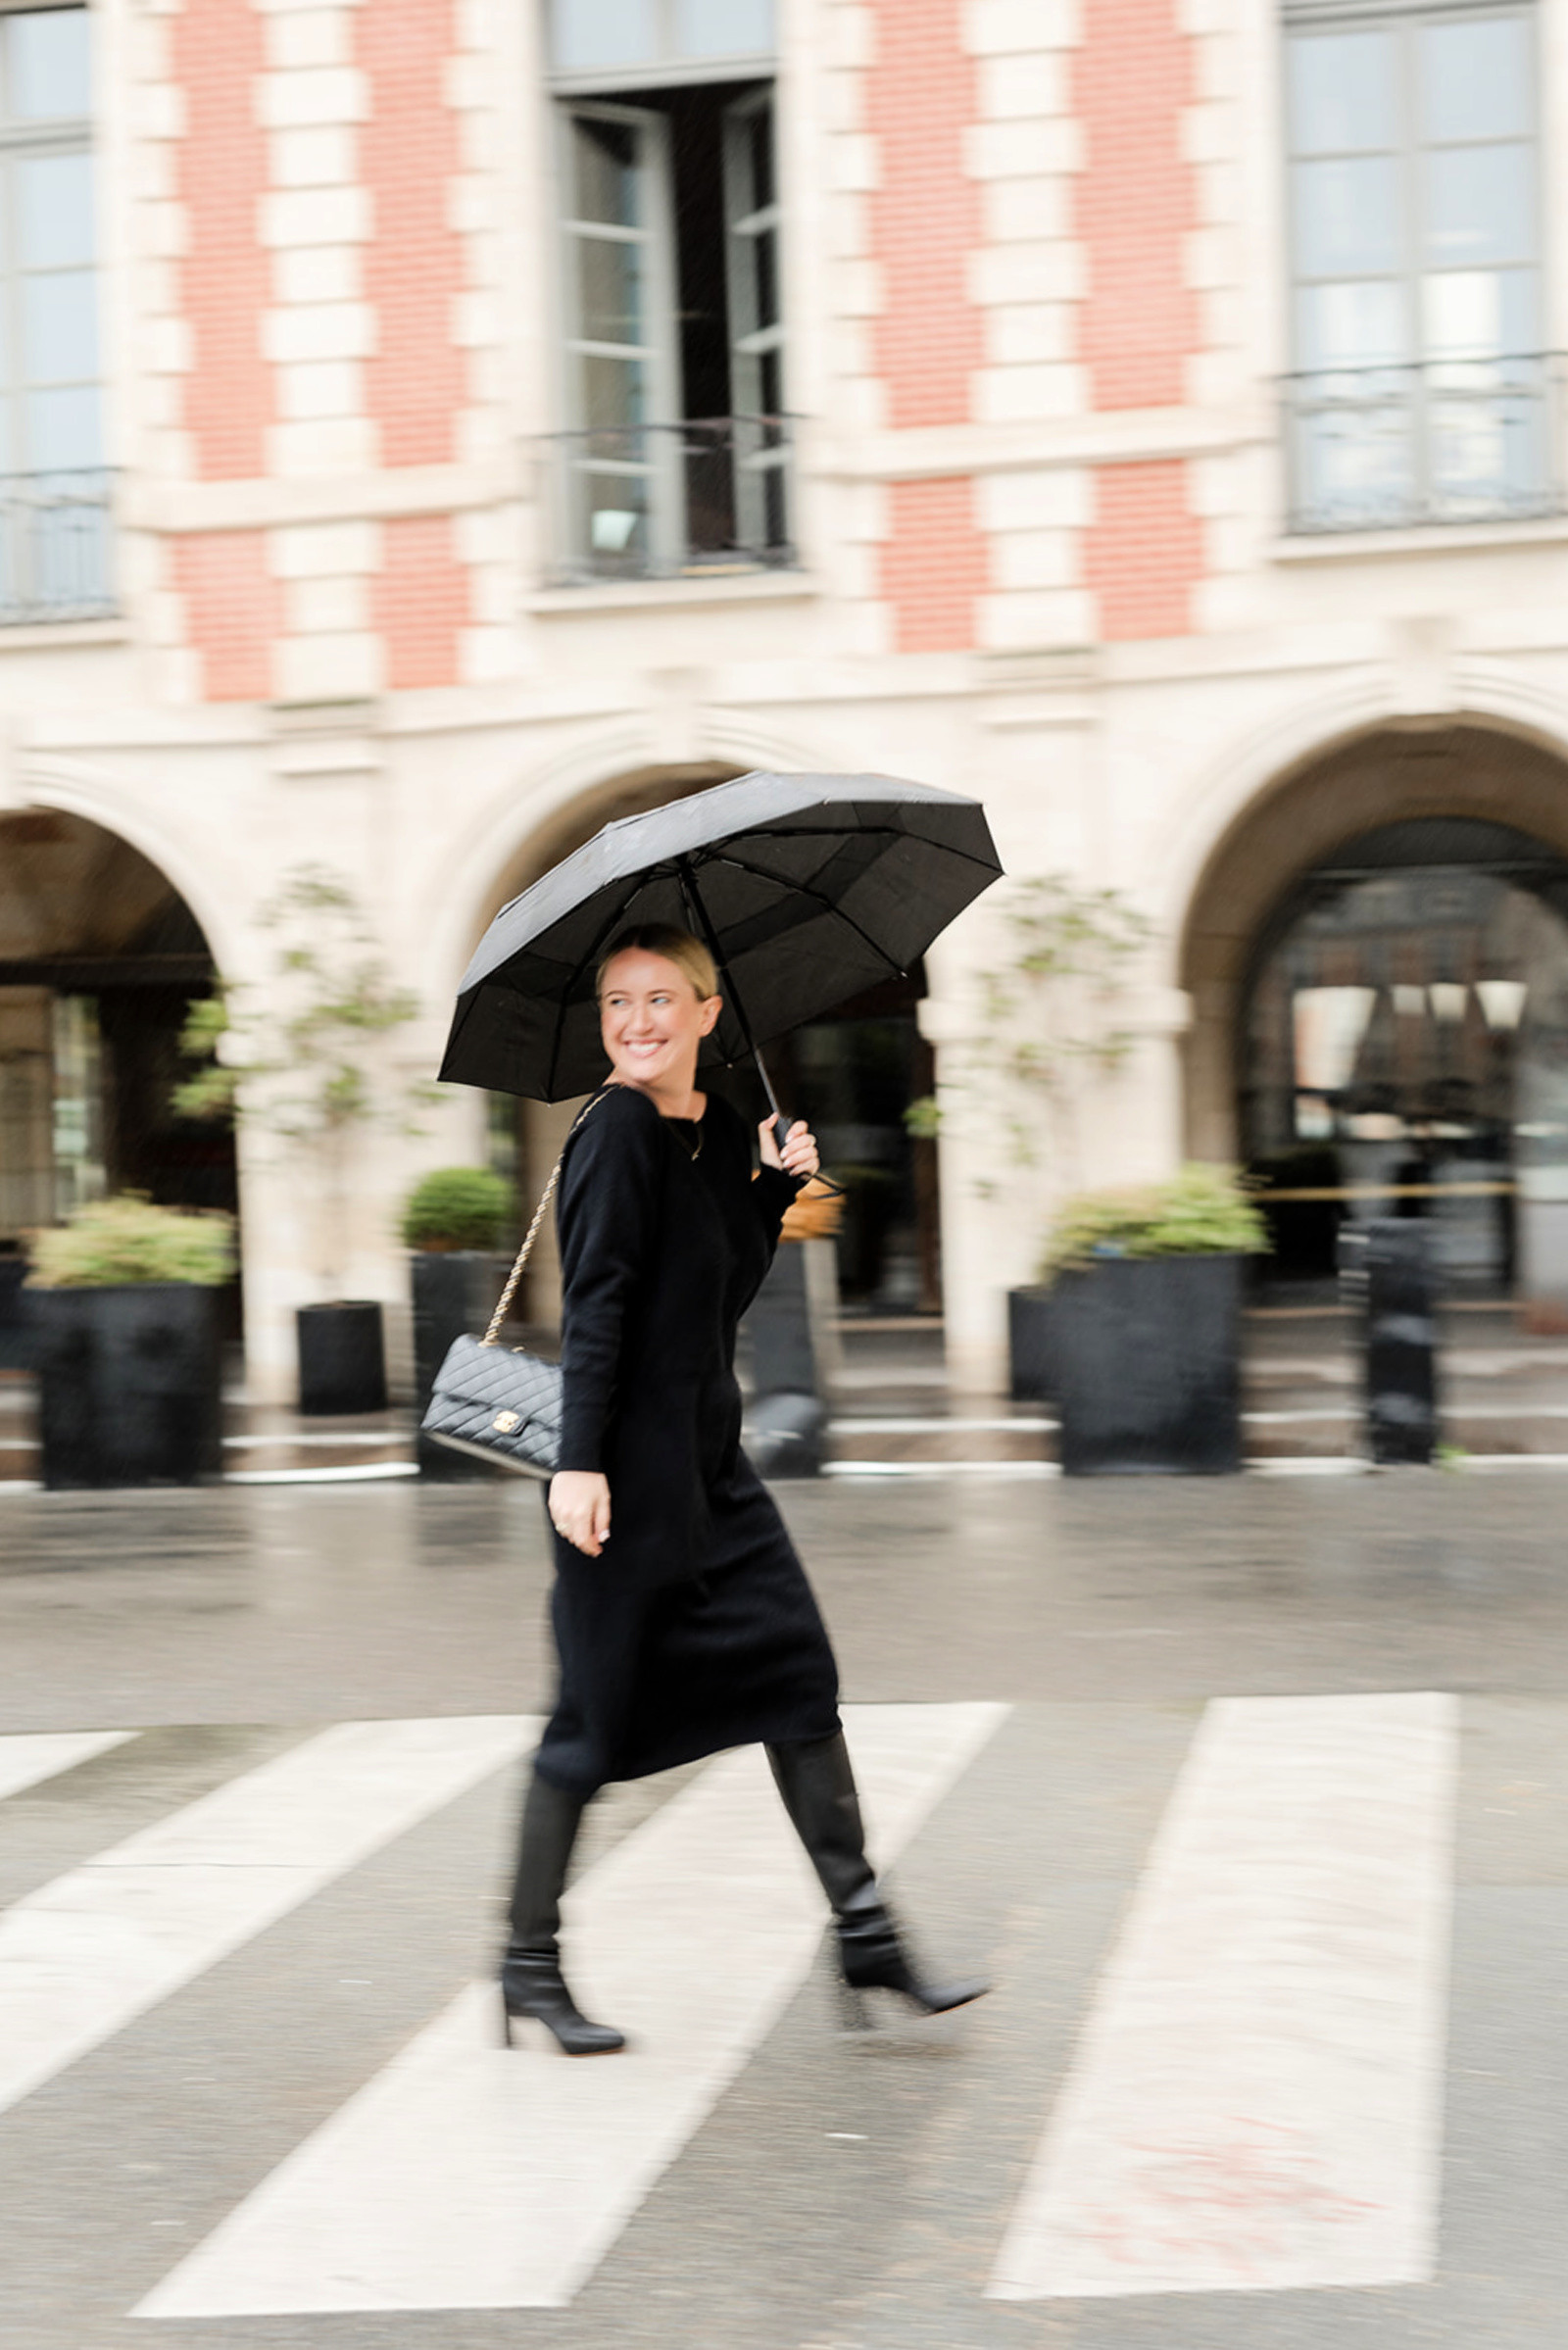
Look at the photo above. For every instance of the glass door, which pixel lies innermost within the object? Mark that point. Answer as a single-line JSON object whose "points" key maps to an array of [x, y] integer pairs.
{"points": [[622, 477], [755, 323]]}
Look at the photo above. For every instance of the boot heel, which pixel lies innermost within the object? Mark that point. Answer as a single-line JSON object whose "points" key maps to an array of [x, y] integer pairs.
{"points": [[855, 2017], [530, 2034]]}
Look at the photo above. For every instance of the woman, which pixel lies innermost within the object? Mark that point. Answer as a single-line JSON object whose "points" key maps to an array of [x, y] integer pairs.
{"points": [[683, 1617]]}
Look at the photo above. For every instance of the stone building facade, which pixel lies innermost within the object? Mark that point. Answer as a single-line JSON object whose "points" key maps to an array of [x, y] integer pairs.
{"points": [[1141, 414]]}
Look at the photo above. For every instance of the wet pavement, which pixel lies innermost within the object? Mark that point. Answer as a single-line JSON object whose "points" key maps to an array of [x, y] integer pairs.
{"points": [[831, 2194]]}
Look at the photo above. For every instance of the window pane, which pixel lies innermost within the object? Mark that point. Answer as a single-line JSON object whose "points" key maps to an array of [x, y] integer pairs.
{"points": [[1480, 313], [605, 171], [60, 328], [616, 518], [63, 430], [1342, 92], [1480, 204], [1358, 325], [764, 248], [1347, 217], [589, 34], [759, 155], [1354, 464], [610, 276], [54, 204], [613, 399], [1475, 79], [48, 64], [1462, 313], [723, 28]]}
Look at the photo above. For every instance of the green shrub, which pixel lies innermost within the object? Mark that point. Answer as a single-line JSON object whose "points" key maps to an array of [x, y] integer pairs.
{"points": [[458, 1208], [1204, 1210], [130, 1240]]}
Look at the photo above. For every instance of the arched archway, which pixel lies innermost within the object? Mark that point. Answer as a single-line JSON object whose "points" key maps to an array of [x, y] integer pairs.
{"points": [[1377, 957], [100, 956]]}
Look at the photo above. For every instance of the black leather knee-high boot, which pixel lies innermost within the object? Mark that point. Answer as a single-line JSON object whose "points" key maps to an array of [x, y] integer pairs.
{"points": [[531, 1982], [817, 1785]]}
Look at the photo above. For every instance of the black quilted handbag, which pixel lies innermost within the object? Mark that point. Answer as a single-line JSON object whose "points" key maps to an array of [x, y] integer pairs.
{"points": [[498, 1402]]}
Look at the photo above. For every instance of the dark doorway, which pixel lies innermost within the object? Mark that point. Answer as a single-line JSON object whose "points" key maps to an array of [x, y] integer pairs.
{"points": [[100, 960], [1404, 1052]]}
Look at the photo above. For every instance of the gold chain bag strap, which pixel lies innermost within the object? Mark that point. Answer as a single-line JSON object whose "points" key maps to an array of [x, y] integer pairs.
{"points": [[498, 1402]]}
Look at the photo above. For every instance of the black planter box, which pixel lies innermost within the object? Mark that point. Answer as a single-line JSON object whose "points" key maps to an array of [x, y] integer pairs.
{"points": [[1145, 1360], [455, 1295], [16, 1316], [129, 1384], [1031, 1366], [342, 1359]]}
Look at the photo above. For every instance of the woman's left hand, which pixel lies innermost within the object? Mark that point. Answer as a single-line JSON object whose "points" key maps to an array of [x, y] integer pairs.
{"points": [[800, 1155]]}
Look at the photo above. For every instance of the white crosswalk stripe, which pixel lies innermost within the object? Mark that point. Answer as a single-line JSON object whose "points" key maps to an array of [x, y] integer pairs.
{"points": [[29, 1758], [464, 2178], [1253, 2103], [1256, 2101], [83, 1956]]}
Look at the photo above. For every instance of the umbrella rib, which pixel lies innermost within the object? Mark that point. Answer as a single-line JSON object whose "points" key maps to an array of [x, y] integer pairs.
{"points": [[817, 899]]}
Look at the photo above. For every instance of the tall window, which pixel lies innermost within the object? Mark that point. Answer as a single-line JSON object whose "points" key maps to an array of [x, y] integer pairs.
{"points": [[1420, 387], [674, 455]]}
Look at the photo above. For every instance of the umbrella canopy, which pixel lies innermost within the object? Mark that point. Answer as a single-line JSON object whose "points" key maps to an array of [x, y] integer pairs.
{"points": [[808, 887]]}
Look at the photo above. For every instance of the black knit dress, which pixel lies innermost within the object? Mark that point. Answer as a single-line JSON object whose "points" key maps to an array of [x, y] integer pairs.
{"points": [[696, 1629]]}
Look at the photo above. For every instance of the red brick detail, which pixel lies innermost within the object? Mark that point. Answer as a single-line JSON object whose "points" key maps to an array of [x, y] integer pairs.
{"points": [[225, 277], [1144, 552], [1137, 202], [420, 601], [233, 611], [925, 223], [925, 210], [934, 565], [414, 269]]}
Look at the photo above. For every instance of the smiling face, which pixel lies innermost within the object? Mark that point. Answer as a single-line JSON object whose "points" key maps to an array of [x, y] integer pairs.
{"points": [[653, 1020]]}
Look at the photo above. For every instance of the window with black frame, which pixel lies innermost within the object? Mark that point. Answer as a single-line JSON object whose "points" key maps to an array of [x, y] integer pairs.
{"points": [[1420, 390], [54, 498], [674, 457]]}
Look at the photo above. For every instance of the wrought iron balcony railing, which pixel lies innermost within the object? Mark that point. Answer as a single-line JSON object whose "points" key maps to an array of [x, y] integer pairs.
{"points": [[56, 547], [671, 501], [1449, 440]]}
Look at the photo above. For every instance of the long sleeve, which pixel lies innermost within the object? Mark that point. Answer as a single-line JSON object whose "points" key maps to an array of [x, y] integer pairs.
{"points": [[773, 1193], [607, 1219]]}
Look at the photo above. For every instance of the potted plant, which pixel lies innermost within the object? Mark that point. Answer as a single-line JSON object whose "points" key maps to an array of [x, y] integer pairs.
{"points": [[453, 1221], [308, 1068], [1144, 1294], [127, 1344]]}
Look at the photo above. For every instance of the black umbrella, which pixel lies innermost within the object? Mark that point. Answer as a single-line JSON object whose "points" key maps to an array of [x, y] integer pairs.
{"points": [[807, 889]]}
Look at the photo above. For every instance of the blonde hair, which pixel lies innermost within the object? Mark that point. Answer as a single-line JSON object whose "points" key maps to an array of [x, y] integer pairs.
{"points": [[678, 947]]}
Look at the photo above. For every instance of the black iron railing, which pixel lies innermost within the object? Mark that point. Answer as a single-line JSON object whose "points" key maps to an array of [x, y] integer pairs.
{"points": [[1451, 440], [671, 501], [56, 547]]}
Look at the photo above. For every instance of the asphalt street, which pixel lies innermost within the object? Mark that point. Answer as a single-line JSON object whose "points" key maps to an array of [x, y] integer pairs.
{"points": [[255, 2014]]}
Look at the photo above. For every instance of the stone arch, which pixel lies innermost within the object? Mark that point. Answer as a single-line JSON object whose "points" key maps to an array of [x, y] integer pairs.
{"points": [[70, 787], [1381, 775]]}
